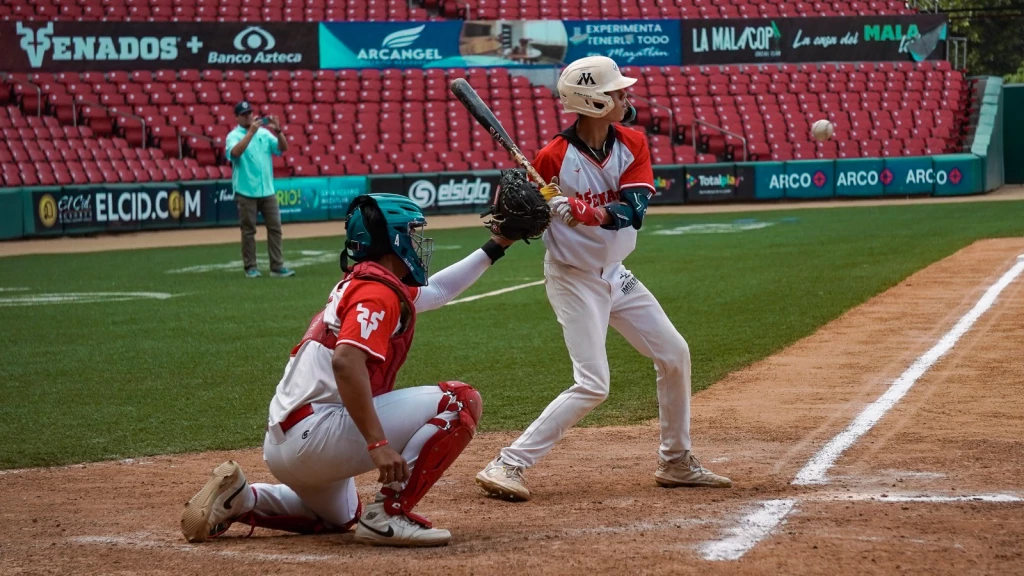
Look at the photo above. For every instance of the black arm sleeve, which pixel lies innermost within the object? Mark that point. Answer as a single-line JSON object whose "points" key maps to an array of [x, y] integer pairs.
{"points": [[631, 211]]}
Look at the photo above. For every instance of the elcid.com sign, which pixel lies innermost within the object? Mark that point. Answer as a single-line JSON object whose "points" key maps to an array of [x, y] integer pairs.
{"points": [[117, 209], [73, 46]]}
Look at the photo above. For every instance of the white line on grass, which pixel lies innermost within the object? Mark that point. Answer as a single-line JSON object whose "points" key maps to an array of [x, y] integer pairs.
{"points": [[815, 470], [495, 293], [751, 529]]}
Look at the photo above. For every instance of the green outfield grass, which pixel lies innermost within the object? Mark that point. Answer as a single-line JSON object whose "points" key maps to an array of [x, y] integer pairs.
{"points": [[92, 381]]}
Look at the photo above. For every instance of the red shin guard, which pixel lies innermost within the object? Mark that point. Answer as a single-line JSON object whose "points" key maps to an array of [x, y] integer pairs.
{"points": [[441, 450]]}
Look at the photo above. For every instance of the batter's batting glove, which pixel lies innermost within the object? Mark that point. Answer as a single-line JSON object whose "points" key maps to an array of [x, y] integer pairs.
{"points": [[549, 191], [560, 208]]}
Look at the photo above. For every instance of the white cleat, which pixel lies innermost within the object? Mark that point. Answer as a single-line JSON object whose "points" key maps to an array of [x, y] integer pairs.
{"points": [[377, 528], [503, 480], [687, 471], [213, 508]]}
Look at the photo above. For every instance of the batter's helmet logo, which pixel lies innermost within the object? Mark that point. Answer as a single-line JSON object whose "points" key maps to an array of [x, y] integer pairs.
{"points": [[47, 210], [586, 79]]}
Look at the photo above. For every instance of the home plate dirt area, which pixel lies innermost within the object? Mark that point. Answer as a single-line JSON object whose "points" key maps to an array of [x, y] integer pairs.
{"points": [[890, 441]]}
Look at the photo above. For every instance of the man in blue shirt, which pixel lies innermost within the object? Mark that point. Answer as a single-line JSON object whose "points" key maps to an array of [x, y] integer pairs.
{"points": [[250, 149]]}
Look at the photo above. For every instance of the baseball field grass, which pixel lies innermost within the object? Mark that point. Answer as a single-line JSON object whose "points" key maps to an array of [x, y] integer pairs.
{"points": [[186, 354]]}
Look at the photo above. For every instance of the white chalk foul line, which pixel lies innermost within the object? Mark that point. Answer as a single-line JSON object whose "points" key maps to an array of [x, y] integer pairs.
{"points": [[495, 293], [752, 528], [817, 467], [919, 498]]}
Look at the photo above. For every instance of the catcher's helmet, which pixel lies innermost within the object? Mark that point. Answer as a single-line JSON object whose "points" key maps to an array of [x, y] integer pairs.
{"points": [[381, 223], [584, 85]]}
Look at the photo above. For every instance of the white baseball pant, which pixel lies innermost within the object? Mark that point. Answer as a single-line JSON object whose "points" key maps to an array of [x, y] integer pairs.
{"points": [[318, 458], [585, 303]]}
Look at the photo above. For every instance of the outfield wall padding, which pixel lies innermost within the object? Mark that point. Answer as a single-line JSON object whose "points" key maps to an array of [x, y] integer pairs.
{"points": [[76, 210], [12, 220], [1013, 133]]}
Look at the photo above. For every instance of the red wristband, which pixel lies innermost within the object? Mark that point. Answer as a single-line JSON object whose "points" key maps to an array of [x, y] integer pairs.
{"points": [[376, 445]]}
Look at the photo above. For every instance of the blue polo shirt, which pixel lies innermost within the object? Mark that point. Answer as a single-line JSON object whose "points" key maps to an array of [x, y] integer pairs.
{"points": [[252, 175]]}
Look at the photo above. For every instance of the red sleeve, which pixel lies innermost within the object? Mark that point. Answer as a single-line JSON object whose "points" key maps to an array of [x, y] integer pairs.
{"points": [[639, 173], [549, 160], [369, 315]]}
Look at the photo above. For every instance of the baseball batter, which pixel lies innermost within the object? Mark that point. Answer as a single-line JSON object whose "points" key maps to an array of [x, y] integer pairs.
{"points": [[605, 180], [335, 414]]}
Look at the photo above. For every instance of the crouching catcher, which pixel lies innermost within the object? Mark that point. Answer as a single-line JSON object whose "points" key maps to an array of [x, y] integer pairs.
{"points": [[335, 413]]}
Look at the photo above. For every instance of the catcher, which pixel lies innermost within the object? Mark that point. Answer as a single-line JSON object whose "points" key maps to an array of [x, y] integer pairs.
{"points": [[336, 414]]}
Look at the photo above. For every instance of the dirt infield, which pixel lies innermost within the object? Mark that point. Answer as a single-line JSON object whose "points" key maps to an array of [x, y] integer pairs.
{"points": [[929, 489], [202, 236]]}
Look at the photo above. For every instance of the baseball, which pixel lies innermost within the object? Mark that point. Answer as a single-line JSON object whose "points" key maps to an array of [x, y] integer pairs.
{"points": [[822, 130]]}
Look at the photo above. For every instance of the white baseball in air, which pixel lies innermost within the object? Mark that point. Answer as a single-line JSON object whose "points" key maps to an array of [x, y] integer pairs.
{"points": [[822, 130]]}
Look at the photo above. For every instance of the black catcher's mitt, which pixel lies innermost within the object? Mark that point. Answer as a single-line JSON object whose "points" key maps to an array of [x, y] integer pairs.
{"points": [[519, 211]]}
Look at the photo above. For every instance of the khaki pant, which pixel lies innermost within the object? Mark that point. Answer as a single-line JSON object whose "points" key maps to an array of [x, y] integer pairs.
{"points": [[247, 209]]}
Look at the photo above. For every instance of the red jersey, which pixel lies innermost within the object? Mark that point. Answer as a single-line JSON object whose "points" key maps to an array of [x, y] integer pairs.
{"points": [[371, 310]]}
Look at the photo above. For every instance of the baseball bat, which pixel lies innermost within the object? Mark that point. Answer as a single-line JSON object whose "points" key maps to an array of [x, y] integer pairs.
{"points": [[471, 100]]}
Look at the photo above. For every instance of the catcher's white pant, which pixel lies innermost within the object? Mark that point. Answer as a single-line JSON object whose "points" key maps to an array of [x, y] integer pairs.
{"points": [[317, 458], [586, 302]]}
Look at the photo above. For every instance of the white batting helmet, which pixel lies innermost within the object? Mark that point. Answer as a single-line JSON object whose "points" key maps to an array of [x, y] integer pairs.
{"points": [[584, 85]]}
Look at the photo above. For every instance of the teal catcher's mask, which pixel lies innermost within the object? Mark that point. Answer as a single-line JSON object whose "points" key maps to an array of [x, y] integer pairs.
{"points": [[381, 223]]}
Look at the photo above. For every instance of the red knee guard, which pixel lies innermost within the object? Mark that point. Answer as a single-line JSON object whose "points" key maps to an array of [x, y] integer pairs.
{"points": [[441, 450]]}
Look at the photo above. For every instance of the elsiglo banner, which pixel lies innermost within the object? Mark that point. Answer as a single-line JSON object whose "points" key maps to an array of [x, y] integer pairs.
{"points": [[100, 46]]}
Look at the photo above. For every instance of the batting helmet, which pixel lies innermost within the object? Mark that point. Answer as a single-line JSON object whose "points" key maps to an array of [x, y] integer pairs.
{"points": [[584, 85]]}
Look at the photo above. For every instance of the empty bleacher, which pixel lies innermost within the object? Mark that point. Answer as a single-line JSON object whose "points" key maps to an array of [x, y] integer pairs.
{"points": [[407, 121], [383, 10]]}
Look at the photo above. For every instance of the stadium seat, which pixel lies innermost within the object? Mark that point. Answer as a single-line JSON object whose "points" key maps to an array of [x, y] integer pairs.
{"points": [[356, 122]]}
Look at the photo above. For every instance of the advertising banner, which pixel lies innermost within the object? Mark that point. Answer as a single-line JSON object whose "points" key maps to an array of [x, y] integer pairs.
{"points": [[710, 183], [915, 37], [669, 183], [452, 192], [727, 41], [390, 44], [808, 179], [386, 184], [78, 46], [907, 176], [957, 174], [628, 42], [299, 199], [501, 43], [769, 180], [210, 193], [859, 177], [113, 209], [746, 181]]}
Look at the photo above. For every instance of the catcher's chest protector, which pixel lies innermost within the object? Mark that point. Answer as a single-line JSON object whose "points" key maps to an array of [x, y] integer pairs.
{"points": [[382, 374]]}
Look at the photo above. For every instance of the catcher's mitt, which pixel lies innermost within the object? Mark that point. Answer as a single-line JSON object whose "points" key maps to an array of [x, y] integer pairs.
{"points": [[519, 211]]}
